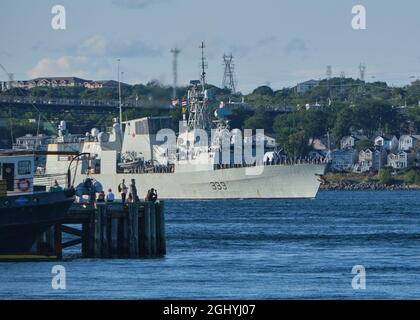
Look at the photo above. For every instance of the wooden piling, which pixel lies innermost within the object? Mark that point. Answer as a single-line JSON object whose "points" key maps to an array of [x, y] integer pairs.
{"points": [[97, 233], [125, 239], [133, 230], [152, 229], [109, 230], [160, 228], [104, 230], [114, 237], [146, 236]]}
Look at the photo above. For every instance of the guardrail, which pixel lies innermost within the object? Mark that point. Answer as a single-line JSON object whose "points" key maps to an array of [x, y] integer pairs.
{"points": [[83, 102]]}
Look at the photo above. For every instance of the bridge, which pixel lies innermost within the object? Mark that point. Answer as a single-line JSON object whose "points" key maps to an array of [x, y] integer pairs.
{"points": [[107, 106], [52, 104]]}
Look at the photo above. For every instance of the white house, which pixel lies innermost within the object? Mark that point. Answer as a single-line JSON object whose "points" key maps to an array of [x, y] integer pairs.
{"points": [[370, 160], [401, 160], [322, 144], [343, 160], [409, 142], [348, 142], [388, 142]]}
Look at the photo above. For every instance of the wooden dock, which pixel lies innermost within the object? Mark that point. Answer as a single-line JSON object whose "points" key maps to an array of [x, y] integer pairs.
{"points": [[109, 230]]}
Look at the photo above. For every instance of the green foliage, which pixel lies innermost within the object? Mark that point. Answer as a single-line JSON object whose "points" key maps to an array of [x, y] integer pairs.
{"points": [[264, 91], [385, 176], [259, 120], [364, 144], [412, 177]]}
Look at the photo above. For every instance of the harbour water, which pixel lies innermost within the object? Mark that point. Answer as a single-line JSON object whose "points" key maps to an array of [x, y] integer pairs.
{"points": [[255, 250]]}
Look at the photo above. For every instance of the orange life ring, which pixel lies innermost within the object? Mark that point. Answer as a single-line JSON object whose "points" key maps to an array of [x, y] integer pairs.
{"points": [[24, 185]]}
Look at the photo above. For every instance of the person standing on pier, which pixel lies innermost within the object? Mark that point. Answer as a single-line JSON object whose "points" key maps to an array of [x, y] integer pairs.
{"points": [[110, 197], [122, 189], [101, 197], [133, 191]]}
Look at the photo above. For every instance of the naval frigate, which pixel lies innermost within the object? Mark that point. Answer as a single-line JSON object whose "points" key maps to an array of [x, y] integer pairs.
{"points": [[187, 168]]}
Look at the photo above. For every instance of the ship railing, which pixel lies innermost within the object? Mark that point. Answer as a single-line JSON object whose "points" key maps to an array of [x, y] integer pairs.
{"points": [[170, 168], [277, 162]]}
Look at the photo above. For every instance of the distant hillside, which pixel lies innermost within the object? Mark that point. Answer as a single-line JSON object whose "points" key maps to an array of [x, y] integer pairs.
{"points": [[338, 105]]}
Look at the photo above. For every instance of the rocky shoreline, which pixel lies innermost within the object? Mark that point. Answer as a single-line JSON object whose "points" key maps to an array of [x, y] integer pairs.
{"points": [[366, 186]]}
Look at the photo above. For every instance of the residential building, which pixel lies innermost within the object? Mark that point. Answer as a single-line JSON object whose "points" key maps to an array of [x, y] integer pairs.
{"points": [[371, 160], [318, 154], [55, 82], [348, 142], [401, 160], [326, 142], [388, 142], [343, 160], [103, 84], [409, 142]]}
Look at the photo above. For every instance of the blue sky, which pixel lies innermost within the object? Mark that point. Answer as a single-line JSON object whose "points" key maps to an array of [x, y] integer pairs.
{"points": [[276, 42]]}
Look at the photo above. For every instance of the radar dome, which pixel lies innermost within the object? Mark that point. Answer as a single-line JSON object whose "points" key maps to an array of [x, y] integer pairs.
{"points": [[94, 132]]}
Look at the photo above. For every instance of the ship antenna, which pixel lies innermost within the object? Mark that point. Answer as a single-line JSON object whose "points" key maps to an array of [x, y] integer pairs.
{"points": [[203, 65], [119, 93]]}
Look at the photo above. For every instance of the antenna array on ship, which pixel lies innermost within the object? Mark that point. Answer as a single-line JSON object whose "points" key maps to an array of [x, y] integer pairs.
{"points": [[198, 99]]}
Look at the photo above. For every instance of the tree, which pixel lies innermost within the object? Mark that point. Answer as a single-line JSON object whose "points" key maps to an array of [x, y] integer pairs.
{"points": [[385, 176], [364, 144], [263, 91], [343, 123], [259, 120]]}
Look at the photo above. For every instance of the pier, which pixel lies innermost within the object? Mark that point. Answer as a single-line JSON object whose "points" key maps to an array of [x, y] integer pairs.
{"points": [[108, 230]]}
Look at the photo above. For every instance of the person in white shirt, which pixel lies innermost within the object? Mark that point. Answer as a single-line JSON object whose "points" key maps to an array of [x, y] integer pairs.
{"points": [[110, 197], [123, 190]]}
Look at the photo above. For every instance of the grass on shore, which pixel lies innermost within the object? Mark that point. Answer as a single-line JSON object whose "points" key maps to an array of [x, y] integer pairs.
{"points": [[351, 177]]}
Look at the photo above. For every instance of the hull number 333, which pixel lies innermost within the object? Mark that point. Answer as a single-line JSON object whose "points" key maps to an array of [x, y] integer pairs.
{"points": [[218, 186]]}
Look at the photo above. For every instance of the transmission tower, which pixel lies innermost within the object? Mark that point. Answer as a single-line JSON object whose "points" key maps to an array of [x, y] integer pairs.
{"points": [[175, 52], [229, 73], [362, 71], [329, 72], [329, 75]]}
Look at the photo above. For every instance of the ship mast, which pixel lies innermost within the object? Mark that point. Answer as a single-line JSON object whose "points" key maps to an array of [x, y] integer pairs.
{"points": [[198, 99], [203, 66], [119, 95]]}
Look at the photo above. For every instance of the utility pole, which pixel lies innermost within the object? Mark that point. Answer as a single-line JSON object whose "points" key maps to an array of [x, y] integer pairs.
{"points": [[229, 73], [175, 52]]}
